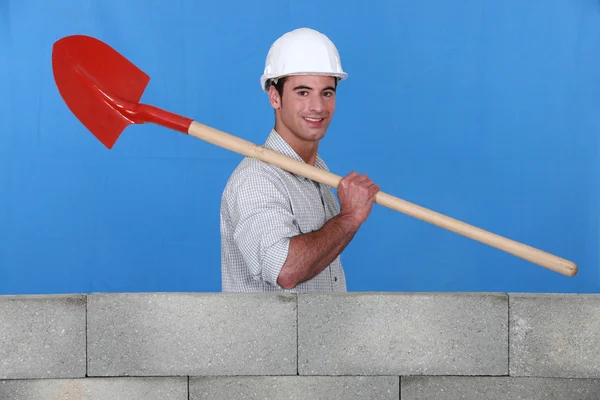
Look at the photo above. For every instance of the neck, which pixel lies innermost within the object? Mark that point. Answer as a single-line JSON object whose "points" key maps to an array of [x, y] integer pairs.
{"points": [[307, 150]]}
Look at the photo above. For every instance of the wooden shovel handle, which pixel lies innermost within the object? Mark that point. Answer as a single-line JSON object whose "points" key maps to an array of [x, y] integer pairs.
{"points": [[246, 148]]}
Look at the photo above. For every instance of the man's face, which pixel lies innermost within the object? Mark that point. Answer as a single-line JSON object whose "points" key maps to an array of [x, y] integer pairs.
{"points": [[307, 106]]}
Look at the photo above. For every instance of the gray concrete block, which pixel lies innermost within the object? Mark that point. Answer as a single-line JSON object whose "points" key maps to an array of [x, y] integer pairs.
{"points": [[403, 334], [96, 389], [295, 388], [497, 388], [42, 336], [555, 335], [191, 334]]}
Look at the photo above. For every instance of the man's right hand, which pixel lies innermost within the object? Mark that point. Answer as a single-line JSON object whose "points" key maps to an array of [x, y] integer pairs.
{"points": [[356, 194], [311, 252]]}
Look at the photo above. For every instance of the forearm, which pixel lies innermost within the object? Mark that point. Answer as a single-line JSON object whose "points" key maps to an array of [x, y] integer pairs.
{"points": [[310, 253]]}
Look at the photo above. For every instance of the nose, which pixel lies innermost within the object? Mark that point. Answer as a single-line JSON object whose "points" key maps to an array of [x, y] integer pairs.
{"points": [[315, 103]]}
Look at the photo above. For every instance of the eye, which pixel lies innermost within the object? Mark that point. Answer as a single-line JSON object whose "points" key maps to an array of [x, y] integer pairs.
{"points": [[328, 94], [303, 93]]}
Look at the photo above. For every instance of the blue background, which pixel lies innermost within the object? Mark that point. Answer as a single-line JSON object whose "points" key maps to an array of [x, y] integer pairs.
{"points": [[486, 111]]}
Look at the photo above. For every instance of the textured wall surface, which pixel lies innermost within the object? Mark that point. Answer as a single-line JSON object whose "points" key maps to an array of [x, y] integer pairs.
{"points": [[555, 335], [42, 336], [191, 334], [398, 334], [436, 346]]}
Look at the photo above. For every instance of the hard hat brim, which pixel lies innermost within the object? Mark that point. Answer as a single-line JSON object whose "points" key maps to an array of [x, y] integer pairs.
{"points": [[266, 78]]}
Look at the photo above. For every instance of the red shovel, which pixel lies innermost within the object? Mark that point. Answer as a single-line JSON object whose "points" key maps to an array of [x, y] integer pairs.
{"points": [[103, 89]]}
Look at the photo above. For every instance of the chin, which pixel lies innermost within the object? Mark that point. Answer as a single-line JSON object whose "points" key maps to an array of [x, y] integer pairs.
{"points": [[315, 133], [315, 137]]}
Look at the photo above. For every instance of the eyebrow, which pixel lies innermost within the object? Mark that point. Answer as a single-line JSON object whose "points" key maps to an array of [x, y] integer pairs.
{"points": [[309, 88]]}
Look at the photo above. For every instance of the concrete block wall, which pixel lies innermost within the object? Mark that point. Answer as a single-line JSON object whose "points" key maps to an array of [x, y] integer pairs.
{"points": [[196, 346]]}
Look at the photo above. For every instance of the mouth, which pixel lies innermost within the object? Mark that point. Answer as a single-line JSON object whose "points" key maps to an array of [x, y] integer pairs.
{"points": [[314, 122]]}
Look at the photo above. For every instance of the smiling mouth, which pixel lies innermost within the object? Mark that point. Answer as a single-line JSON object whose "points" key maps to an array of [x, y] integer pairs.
{"points": [[314, 119]]}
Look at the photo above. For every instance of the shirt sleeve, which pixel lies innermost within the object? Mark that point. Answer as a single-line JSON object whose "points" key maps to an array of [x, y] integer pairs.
{"points": [[263, 224]]}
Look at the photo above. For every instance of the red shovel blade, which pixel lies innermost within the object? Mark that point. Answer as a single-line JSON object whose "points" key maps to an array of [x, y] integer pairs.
{"points": [[102, 89], [84, 67]]}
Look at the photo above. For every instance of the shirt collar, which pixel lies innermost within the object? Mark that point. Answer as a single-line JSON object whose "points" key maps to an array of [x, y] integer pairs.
{"points": [[277, 143]]}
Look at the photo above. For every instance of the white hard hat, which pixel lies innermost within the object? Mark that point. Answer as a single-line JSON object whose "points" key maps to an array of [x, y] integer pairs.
{"points": [[303, 51]]}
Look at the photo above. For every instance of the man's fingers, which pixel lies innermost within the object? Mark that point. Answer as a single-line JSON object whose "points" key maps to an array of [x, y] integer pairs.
{"points": [[348, 178], [361, 179], [345, 180], [374, 189], [357, 180]]}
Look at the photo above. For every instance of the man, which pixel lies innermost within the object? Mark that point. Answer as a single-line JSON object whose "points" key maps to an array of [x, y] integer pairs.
{"points": [[280, 231]]}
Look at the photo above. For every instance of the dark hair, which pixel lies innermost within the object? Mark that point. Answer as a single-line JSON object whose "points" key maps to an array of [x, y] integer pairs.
{"points": [[277, 84], [281, 82]]}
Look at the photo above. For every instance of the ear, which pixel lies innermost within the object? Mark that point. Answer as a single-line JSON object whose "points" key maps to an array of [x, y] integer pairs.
{"points": [[274, 98]]}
